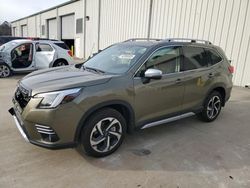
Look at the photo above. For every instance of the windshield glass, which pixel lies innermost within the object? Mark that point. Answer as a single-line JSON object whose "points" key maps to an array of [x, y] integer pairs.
{"points": [[7, 45], [116, 59], [2, 48]]}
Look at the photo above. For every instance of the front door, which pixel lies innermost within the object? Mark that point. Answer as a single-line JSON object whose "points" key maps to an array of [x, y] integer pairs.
{"points": [[44, 55], [156, 99], [22, 57]]}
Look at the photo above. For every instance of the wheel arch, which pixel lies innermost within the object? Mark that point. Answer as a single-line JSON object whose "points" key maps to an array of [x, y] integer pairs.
{"points": [[221, 89], [59, 59], [121, 106]]}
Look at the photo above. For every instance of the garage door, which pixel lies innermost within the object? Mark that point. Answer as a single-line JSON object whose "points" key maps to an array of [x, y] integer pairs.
{"points": [[68, 27], [52, 29], [24, 31]]}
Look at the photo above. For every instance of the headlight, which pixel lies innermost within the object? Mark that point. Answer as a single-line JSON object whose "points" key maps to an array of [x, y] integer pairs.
{"points": [[53, 99]]}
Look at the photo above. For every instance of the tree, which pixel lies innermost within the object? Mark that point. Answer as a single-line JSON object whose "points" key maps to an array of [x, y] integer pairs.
{"points": [[5, 28]]}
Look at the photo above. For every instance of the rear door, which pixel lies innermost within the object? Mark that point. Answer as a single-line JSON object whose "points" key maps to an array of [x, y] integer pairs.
{"points": [[198, 76], [156, 99], [44, 55]]}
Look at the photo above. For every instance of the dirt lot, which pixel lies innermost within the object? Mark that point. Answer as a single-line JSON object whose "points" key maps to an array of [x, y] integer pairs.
{"points": [[185, 153]]}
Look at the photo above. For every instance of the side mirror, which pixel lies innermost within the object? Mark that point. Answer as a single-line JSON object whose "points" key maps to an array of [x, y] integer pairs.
{"points": [[153, 74]]}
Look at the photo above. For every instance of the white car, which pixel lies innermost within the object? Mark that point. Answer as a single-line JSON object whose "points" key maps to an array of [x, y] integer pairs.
{"points": [[29, 55]]}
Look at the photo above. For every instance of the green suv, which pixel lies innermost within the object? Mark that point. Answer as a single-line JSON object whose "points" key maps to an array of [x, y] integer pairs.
{"points": [[135, 84]]}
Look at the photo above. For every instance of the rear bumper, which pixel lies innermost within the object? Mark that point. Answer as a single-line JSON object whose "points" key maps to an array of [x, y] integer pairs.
{"points": [[228, 94], [21, 127]]}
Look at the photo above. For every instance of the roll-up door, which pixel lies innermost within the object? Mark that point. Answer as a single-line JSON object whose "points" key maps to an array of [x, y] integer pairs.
{"points": [[24, 31], [68, 27], [52, 29]]}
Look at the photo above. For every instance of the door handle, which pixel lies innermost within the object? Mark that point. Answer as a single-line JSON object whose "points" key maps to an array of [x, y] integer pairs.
{"points": [[178, 81]]}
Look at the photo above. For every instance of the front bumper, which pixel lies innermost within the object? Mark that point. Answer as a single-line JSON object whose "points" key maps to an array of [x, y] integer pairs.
{"points": [[28, 119], [19, 124]]}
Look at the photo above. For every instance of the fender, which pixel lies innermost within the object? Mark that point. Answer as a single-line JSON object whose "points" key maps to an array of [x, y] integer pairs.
{"points": [[131, 125], [217, 85]]}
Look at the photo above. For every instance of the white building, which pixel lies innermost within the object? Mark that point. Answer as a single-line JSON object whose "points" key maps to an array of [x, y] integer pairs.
{"points": [[90, 25]]}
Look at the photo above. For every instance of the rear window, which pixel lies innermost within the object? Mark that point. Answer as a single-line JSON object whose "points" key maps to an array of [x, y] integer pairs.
{"points": [[62, 45], [194, 58], [213, 57], [43, 48]]}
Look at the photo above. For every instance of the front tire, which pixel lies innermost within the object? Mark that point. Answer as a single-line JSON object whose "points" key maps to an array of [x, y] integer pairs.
{"points": [[5, 71], [103, 133], [212, 107]]}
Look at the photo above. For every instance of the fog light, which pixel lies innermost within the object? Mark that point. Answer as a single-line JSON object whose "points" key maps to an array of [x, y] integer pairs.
{"points": [[47, 133]]}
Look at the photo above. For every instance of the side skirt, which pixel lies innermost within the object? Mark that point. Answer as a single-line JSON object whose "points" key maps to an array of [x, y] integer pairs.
{"points": [[175, 118]]}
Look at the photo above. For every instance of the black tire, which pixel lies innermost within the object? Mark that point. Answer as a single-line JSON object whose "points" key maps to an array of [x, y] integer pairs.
{"points": [[104, 126], [5, 70], [60, 62], [212, 107]]}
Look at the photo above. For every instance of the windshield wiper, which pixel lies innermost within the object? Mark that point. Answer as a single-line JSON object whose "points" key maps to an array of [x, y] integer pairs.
{"points": [[93, 69]]}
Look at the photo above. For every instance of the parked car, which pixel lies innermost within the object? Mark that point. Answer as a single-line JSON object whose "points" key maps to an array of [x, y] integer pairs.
{"points": [[128, 86], [29, 55], [5, 39]]}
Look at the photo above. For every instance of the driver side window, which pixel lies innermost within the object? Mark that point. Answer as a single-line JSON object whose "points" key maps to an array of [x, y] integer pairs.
{"points": [[165, 59]]}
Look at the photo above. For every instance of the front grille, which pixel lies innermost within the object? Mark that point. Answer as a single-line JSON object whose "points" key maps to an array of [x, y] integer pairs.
{"points": [[22, 96], [47, 133]]}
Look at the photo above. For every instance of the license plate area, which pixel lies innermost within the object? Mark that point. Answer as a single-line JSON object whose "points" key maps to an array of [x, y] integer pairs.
{"points": [[17, 107]]}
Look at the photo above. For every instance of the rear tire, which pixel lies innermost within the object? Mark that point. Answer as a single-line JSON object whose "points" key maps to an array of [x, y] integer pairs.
{"points": [[103, 133], [212, 107], [60, 62], [5, 70]]}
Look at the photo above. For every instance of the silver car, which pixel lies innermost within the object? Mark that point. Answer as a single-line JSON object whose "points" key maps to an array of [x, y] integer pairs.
{"points": [[28, 55]]}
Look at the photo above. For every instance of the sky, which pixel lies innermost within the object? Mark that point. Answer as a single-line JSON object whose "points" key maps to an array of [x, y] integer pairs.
{"points": [[11, 10]]}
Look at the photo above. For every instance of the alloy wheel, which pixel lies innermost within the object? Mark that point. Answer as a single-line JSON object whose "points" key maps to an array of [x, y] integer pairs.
{"points": [[106, 134], [4, 71], [213, 107], [60, 63]]}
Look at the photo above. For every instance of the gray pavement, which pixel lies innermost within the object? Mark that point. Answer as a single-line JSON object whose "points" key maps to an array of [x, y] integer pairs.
{"points": [[185, 153]]}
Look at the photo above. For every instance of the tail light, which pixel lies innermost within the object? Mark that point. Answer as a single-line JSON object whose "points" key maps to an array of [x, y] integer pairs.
{"points": [[231, 69], [70, 53]]}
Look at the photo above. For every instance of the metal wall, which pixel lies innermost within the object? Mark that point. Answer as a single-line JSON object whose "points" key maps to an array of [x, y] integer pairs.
{"points": [[123, 19], [92, 27], [225, 23]]}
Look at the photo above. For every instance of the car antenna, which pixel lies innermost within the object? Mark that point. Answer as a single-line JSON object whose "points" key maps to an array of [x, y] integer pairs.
{"points": [[91, 52]]}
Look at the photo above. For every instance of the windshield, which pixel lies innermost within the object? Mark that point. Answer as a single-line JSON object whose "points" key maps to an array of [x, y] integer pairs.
{"points": [[7, 45], [116, 59], [2, 48]]}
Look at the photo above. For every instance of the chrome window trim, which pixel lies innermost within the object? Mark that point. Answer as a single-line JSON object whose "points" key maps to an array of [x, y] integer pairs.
{"points": [[181, 45]]}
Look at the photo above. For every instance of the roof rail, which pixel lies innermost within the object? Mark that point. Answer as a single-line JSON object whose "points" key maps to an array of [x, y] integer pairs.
{"points": [[142, 39], [187, 39]]}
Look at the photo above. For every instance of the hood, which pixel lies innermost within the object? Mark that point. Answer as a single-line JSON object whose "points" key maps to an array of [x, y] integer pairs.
{"points": [[61, 78]]}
